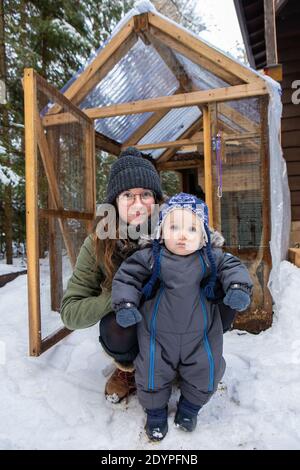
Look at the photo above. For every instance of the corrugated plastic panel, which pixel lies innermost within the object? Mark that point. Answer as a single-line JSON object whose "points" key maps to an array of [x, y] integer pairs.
{"points": [[140, 74], [171, 127], [201, 78]]}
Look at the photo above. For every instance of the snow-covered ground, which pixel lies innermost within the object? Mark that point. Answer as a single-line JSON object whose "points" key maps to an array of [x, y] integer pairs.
{"points": [[18, 265], [56, 401]]}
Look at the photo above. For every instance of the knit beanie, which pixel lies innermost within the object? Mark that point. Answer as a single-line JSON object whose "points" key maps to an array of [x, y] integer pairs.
{"points": [[200, 209], [132, 170]]}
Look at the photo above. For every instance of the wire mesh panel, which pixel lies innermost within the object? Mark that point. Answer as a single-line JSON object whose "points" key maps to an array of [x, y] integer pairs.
{"points": [[240, 191], [240, 187], [62, 206]]}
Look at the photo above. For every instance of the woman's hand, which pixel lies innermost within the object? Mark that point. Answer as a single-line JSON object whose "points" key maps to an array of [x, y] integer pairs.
{"points": [[238, 297], [128, 315]]}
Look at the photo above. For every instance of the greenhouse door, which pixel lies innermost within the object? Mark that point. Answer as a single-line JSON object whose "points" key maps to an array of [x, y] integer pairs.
{"points": [[60, 201]]}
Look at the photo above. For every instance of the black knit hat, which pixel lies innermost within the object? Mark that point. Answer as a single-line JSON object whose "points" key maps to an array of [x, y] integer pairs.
{"points": [[132, 170]]}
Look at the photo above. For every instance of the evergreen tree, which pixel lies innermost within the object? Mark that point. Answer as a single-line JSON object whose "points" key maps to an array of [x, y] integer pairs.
{"points": [[56, 38]]}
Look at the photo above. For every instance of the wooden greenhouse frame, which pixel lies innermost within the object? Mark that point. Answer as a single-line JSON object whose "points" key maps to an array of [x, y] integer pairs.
{"points": [[165, 37]]}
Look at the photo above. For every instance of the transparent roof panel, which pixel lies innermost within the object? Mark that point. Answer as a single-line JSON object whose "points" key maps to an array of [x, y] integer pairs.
{"points": [[120, 128], [140, 74], [171, 127], [201, 77]]}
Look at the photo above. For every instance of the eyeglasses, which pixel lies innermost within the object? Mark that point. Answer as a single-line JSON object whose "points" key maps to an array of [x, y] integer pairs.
{"points": [[127, 197]]}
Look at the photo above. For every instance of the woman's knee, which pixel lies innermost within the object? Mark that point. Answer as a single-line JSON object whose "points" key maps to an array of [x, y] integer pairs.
{"points": [[120, 343]]}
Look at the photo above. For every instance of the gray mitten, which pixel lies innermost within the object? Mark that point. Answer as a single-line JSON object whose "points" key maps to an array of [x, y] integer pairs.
{"points": [[238, 297], [128, 315]]}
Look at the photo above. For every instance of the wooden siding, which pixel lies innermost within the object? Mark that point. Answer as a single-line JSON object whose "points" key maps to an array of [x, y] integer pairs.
{"points": [[288, 40]]}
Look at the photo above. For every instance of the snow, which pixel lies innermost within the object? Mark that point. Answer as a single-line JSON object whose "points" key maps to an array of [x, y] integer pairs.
{"points": [[8, 176], [18, 265], [56, 401]]}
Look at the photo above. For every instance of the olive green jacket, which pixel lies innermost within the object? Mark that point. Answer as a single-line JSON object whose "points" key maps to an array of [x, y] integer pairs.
{"points": [[84, 303]]}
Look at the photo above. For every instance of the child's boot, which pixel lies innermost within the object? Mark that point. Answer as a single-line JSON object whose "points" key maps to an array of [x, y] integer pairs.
{"points": [[157, 423], [186, 415]]}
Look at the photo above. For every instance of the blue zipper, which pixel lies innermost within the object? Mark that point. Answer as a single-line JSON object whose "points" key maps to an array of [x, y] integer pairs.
{"points": [[152, 341], [153, 332], [206, 342]]}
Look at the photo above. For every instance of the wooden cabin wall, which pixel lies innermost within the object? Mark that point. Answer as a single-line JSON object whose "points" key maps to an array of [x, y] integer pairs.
{"points": [[288, 40]]}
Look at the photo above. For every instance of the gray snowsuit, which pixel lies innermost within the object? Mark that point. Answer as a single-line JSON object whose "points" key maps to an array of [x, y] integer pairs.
{"points": [[181, 330]]}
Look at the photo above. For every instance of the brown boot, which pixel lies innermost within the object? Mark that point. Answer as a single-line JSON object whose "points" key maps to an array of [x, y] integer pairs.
{"points": [[119, 386]]}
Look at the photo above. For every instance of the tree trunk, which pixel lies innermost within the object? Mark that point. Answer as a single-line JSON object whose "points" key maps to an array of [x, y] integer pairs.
{"points": [[4, 137]]}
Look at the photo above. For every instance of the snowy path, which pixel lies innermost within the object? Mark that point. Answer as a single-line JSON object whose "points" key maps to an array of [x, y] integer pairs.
{"points": [[56, 401]]}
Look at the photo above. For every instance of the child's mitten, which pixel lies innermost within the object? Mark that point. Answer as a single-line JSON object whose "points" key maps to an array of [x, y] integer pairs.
{"points": [[128, 315], [238, 297]]}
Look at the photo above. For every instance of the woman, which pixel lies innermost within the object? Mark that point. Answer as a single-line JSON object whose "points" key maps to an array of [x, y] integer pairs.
{"points": [[133, 189]]}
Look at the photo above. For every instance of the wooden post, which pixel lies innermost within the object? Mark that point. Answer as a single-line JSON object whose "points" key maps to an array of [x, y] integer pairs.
{"points": [[208, 164], [270, 32], [32, 236]]}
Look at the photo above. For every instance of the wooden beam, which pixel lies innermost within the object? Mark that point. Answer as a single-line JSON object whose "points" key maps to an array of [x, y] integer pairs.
{"points": [[178, 165], [211, 55], [195, 140], [61, 101], [168, 154], [192, 148], [53, 186], [148, 125], [102, 64], [178, 101], [195, 57], [230, 135], [237, 118], [54, 338], [279, 5], [169, 144], [270, 32], [113, 60], [172, 62], [229, 112], [230, 131], [141, 24], [244, 136], [59, 119], [170, 59], [274, 71], [208, 187], [32, 233], [108, 145], [63, 214], [102, 142]]}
